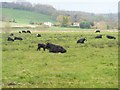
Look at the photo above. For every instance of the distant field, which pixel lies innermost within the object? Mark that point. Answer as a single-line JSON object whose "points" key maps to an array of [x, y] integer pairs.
{"points": [[24, 17], [91, 65]]}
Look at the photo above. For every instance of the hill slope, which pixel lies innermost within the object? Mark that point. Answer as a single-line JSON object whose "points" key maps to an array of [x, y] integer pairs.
{"points": [[22, 16]]}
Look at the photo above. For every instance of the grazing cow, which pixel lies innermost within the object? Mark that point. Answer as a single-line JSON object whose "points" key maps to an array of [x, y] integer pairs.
{"points": [[99, 36], [81, 40], [24, 32], [97, 31], [41, 46], [18, 38], [11, 34], [38, 35], [28, 31], [10, 39], [110, 37], [55, 48]]}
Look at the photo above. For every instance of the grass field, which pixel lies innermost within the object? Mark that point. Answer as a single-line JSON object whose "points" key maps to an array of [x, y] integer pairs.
{"points": [[24, 17], [90, 65]]}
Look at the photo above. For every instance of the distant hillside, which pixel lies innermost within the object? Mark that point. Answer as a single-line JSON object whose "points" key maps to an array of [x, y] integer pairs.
{"points": [[25, 12], [22, 16], [39, 8]]}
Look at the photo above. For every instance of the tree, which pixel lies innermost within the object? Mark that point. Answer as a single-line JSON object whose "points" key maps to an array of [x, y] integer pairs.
{"points": [[108, 27], [64, 20], [101, 25], [92, 23], [59, 18], [85, 25]]}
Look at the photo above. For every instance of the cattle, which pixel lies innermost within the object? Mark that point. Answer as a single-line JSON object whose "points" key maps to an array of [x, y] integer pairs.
{"points": [[19, 31], [81, 40], [18, 38], [38, 35], [49, 45], [10, 39], [99, 36], [24, 32], [97, 31], [11, 34], [41, 46], [55, 48], [110, 37], [28, 31]]}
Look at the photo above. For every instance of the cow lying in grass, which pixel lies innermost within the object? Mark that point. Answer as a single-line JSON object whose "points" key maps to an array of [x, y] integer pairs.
{"points": [[55, 48], [110, 37], [10, 39], [99, 36], [28, 31], [82, 40], [97, 31], [52, 48], [38, 35], [18, 38]]}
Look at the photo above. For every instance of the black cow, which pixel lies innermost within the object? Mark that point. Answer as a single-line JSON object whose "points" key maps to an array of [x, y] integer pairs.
{"points": [[55, 48], [49, 45], [97, 31], [18, 38], [41, 46], [19, 31], [110, 37], [38, 35], [11, 34], [81, 40], [28, 31], [10, 39], [24, 32], [99, 36]]}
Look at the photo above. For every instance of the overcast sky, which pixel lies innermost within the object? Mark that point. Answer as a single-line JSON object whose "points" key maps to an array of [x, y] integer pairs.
{"points": [[92, 6]]}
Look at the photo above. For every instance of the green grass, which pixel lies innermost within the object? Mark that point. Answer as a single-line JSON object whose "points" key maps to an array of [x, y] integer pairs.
{"points": [[24, 17], [91, 65]]}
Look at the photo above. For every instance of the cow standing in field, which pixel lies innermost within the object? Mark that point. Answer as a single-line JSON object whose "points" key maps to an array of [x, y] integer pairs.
{"points": [[99, 36], [10, 39], [110, 37], [41, 46], [82, 40], [55, 48], [97, 31], [18, 38]]}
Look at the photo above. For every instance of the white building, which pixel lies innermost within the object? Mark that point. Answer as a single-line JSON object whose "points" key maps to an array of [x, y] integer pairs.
{"points": [[49, 24]]}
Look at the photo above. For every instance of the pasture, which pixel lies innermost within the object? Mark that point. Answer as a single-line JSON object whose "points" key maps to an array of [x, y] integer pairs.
{"points": [[90, 65]]}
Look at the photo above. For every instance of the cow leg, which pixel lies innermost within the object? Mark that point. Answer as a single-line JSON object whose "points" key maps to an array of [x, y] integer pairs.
{"points": [[44, 49], [38, 48]]}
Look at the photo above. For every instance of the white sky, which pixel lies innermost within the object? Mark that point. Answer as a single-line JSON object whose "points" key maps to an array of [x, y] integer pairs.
{"points": [[92, 6]]}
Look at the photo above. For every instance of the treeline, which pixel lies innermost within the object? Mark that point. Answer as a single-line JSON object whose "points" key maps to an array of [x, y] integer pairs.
{"points": [[74, 16], [40, 8]]}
